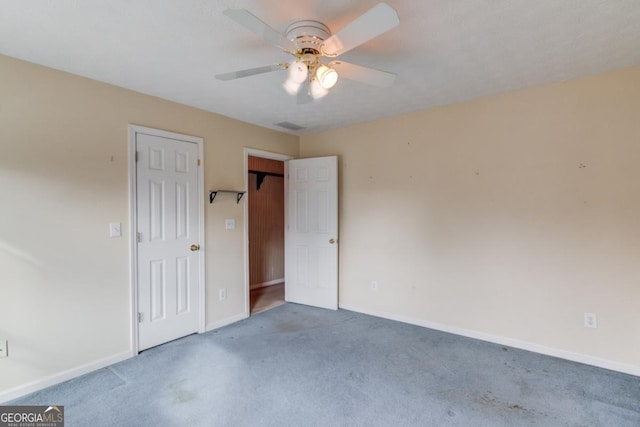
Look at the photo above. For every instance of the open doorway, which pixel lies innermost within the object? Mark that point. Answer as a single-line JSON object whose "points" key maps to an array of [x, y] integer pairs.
{"points": [[310, 242], [265, 188]]}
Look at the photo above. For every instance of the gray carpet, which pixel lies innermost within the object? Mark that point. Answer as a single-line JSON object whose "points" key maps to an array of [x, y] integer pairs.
{"points": [[302, 366]]}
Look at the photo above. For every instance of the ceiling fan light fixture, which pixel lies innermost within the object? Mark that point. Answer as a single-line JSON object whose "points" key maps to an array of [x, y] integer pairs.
{"points": [[327, 77], [316, 90], [291, 87], [298, 72]]}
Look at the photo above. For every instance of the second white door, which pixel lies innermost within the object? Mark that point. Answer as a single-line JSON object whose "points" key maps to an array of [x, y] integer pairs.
{"points": [[311, 232]]}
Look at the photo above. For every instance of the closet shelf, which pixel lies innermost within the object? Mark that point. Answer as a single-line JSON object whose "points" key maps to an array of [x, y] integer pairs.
{"points": [[260, 176], [214, 193]]}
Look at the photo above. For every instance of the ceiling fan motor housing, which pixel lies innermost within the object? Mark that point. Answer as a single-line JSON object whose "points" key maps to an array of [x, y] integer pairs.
{"points": [[308, 35]]}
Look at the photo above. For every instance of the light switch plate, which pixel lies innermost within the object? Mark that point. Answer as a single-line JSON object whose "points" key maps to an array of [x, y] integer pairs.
{"points": [[115, 229], [229, 224]]}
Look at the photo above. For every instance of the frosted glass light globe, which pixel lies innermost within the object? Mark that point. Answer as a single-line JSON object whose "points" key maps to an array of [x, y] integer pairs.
{"points": [[291, 87], [298, 71], [326, 76], [316, 89]]}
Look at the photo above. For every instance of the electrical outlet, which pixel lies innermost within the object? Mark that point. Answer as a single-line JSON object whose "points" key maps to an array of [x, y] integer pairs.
{"points": [[590, 320], [222, 295], [4, 348], [373, 285]]}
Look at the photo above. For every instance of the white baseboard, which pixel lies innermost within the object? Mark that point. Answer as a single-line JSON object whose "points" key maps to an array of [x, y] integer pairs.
{"points": [[523, 345], [21, 390], [269, 283], [225, 322]]}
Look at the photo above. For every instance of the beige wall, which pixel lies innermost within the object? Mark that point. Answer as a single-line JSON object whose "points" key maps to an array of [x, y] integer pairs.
{"points": [[64, 284], [509, 216]]}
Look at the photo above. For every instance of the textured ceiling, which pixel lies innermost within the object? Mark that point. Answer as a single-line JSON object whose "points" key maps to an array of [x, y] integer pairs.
{"points": [[444, 51]]}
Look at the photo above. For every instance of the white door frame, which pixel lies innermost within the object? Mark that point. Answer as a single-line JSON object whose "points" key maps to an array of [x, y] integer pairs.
{"points": [[265, 155], [133, 226]]}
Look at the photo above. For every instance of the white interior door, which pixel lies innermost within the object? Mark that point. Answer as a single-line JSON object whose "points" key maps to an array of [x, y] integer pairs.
{"points": [[311, 232], [168, 225]]}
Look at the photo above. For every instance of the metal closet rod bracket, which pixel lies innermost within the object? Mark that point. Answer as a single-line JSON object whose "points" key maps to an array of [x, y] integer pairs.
{"points": [[214, 193], [260, 176]]}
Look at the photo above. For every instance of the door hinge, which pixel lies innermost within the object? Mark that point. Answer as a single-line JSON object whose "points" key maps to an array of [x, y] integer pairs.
{"points": [[198, 162], [139, 237], [139, 317], [136, 156]]}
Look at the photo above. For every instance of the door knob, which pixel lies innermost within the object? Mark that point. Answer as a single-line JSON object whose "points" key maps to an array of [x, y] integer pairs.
{"points": [[195, 247], [332, 241]]}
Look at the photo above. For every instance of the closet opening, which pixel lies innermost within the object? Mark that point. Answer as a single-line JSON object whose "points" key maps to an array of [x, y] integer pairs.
{"points": [[265, 195]]}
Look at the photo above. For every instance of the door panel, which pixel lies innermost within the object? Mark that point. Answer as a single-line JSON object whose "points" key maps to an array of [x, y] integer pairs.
{"points": [[167, 221], [312, 232]]}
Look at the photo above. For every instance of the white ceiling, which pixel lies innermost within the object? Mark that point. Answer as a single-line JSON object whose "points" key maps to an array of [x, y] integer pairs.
{"points": [[444, 51]]}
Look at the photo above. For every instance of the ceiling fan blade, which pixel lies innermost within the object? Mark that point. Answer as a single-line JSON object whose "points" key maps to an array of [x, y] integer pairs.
{"points": [[377, 20], [256, 26], [304, 97], [250, 72], [362, 74]]}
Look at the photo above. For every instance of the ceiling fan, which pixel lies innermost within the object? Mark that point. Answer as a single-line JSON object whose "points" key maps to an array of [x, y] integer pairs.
{"points": [[309, 77]]}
